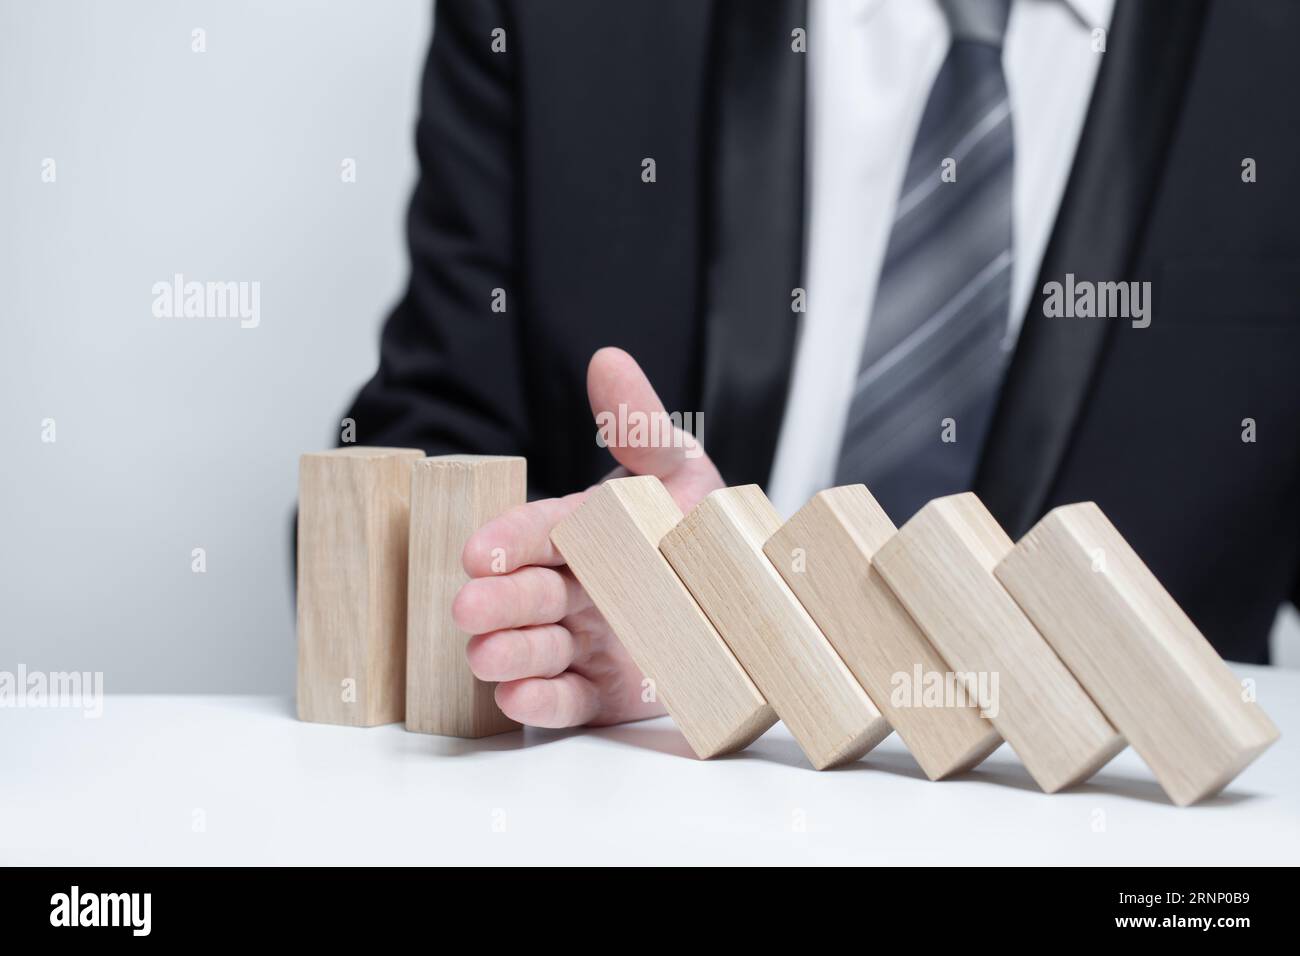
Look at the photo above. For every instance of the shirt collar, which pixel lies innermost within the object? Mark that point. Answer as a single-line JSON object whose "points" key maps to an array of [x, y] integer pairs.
{"points": [[1092, 14]]}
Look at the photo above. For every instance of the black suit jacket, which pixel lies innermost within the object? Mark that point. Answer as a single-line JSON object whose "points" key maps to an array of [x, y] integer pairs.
{"points": [[531, 163]]}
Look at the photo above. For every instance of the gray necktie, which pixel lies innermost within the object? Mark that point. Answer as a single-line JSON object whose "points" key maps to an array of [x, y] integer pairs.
{"points": [[933, 348]]}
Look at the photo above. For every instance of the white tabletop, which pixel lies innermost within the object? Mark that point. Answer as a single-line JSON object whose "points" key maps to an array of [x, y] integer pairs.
{"points": [[228, 780]]}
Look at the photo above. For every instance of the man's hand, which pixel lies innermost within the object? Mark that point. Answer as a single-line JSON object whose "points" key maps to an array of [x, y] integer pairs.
{"points": [[535, 630]]}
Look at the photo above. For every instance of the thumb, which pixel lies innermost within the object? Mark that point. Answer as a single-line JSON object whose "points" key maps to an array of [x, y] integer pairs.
{"points": [[633, 424]]}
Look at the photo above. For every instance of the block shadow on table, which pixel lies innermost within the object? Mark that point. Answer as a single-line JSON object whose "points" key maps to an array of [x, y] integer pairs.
{"points": [[496, 743], [663, 740], [669, 742], [786, 752]]}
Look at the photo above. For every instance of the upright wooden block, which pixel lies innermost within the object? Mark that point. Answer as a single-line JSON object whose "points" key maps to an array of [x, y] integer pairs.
{"points": [[611, 544], [824, 553], [1135, 651], [353, 511], [717, 550], [452, 496], [940, 564]]}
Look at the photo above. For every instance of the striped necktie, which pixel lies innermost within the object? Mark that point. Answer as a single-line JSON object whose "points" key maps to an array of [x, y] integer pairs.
{"points": [[934, 357]]}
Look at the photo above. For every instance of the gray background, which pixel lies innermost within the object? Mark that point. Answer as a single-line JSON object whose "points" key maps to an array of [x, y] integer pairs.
{"points": [[174, 434]]}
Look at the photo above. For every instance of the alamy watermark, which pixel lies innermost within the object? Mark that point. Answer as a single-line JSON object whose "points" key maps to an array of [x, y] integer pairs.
{"points": [[1101, 300], [69, 690], [130, 910], [637, 429], [922, 688], [181, 299]]}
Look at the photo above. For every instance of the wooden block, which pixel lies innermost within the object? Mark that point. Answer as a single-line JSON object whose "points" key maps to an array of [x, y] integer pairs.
{"points": [[611, 544], [1135, 651], [353, 511], [452, 496], [717, 550], [940, 565], [824, 553]]}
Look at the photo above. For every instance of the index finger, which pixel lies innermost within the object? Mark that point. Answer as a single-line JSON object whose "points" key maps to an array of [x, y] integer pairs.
{"points": [[519, 537]]}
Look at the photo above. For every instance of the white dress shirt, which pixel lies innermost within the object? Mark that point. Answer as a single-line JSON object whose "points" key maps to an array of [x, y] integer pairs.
{"points": [[871, 66]]}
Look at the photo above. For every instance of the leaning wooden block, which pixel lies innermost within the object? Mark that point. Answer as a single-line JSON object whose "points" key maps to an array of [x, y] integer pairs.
{"points": [[611, 546], [717, 551], [451, 497], [824, 553], [940, 564], [1135, 651], [353, 512]]}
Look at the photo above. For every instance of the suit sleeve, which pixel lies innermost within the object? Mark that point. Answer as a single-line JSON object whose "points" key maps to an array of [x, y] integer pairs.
{"points": [[450, 376]]}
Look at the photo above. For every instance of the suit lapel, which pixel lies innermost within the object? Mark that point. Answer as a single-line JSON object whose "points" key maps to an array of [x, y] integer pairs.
{"points": [[754, 231], [1121, 155]]}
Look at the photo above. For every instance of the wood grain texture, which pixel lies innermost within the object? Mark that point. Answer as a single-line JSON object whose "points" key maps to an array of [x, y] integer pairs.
{"points": [[1135, 651], [717, 550], [824, 554], [940, 565], [611, 544], [452, 496], [353, 514]]}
